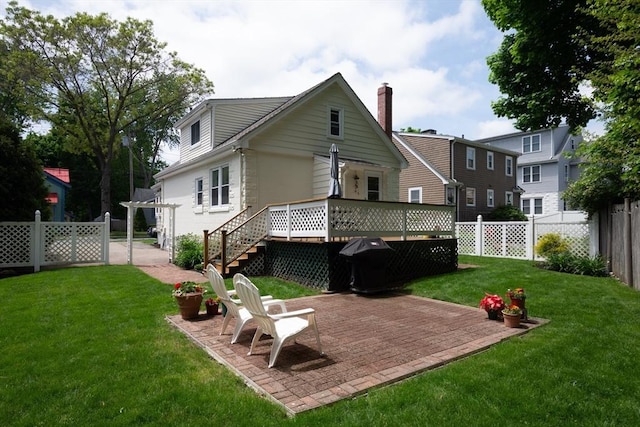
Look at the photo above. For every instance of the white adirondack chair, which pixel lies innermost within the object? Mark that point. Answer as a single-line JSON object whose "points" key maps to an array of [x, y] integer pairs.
{"points": [[234, 305], [282, 327]]}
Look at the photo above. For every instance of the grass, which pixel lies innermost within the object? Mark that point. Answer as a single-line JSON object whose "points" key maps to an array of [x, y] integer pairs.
{"points": [[90, 346]]}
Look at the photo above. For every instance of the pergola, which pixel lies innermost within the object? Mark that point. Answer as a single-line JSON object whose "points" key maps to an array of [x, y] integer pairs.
{"points": [[172, 224]]}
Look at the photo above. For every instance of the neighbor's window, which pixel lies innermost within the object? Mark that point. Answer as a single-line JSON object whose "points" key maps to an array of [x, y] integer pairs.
{"points": [[530, 143], [415, 195], [220, 186], [471, 196], [198, 193], [508, 198], [335, 122], [490, 160], [508, 166], [490, 198], [471, 158], [195, 133], [531, 174], [530, 206], [566, 173], [451, 195], [537, 206]]}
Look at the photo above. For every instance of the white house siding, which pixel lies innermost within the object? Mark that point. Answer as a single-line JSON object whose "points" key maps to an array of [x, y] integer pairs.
{"points": [[188, 151], [180, 189], [321, 176]]}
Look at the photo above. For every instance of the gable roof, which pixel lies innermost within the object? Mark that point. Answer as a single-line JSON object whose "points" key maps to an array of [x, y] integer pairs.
{"points": [[58, 175], [400, 138], [291, 104]]}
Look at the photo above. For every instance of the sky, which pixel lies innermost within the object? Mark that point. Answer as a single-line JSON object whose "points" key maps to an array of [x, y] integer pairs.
{"points": [[432, 53]]}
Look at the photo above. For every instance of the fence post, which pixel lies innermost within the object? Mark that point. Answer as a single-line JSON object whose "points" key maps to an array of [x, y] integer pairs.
{"points": [[107, 236], [479, 236], [628, 266], [36, 242], [531, 237]]}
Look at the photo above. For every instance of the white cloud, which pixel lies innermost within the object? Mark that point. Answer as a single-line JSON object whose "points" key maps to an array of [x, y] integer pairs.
{"points": [[490, 128]]}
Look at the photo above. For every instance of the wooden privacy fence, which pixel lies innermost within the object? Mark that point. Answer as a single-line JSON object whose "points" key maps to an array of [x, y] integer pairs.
{"points": [[517, 239], [35, 244], [624, 242]]}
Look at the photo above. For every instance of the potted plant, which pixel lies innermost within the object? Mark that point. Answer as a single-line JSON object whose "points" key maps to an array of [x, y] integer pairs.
{"points": [[188, 295], [212, 304], [511, 316], [517, 296], [493, 305]]}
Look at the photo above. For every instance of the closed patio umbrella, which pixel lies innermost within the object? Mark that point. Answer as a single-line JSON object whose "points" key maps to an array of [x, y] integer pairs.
{"points": [[334, 184]]}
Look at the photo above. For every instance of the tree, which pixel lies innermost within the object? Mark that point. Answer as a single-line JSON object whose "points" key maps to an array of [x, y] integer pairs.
{"points": [[22, 188], [95, 78], [555, 47]]}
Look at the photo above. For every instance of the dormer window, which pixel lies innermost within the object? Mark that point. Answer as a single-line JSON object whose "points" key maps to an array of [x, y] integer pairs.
{"points": [[336, 116], [530, 143], [195, 133]]}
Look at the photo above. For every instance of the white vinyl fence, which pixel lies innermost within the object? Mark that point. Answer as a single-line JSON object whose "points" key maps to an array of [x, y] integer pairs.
{"points": [[38, 243], [517, 239]]}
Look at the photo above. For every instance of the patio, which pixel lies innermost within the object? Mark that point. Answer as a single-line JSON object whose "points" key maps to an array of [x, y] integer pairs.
{"points": [[369, 341]]}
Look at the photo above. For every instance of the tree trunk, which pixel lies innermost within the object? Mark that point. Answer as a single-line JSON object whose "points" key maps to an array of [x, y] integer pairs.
{"points": [[105, 189]]}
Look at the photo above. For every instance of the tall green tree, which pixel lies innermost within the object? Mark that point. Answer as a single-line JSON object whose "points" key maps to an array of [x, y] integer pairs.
{"points": [[22, 188], [94, 78], [551, 48]]}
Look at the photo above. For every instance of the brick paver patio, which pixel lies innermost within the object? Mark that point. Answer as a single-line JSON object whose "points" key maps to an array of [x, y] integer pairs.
{"points": [[369, 341]]}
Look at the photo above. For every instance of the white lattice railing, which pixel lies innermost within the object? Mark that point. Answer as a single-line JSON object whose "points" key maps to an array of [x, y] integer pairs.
{"points": [[517, 239], [38, 243]]}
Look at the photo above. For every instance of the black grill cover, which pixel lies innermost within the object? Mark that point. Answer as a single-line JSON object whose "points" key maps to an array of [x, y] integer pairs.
{"points": [[368, 257]]}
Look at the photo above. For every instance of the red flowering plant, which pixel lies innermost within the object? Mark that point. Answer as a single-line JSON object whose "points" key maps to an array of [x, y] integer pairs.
{"points": [[183, 288], [492, 303], [212, 301]]}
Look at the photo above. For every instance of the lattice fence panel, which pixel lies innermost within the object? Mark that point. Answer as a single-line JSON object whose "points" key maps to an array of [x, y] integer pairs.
{"points": [[516, 240], [246, 235], [493, 235], [72, 242], [279, 220], [466, 234], [57, 243], [308, 219], [88, 245], [15, 244], [575, 234]]}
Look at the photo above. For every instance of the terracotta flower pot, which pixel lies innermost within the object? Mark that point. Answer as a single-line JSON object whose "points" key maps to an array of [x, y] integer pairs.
{"points": [[212, 309], [511, 320], [189, 305]]}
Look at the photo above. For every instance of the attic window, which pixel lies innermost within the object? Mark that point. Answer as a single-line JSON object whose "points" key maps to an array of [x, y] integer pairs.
{"points": [[195, 133], [335, 122]]}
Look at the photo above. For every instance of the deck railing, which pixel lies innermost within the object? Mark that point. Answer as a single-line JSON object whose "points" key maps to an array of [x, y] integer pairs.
{"points": [[327, 220]]}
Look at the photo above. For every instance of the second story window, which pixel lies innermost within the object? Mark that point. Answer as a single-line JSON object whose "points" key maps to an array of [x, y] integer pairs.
{"points": [[195, 133], [490, 160], [530, 143], [335, 122], [220, 186], [198, 192], [531, 174], [471, 158], [508, 166]]}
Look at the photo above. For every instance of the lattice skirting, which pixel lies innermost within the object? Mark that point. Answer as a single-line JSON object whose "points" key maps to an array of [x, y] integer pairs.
{"points": [[319, 265]]}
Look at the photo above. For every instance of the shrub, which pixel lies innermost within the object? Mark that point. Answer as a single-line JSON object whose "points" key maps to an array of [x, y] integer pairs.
{"points": [[551, 244], [189, 251], [565, 262], [506, 213]]}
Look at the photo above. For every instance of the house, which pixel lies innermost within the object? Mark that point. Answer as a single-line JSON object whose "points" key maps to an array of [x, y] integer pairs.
{"points": [[248, 153], [545, 167], [58, 182], [455, 171]]}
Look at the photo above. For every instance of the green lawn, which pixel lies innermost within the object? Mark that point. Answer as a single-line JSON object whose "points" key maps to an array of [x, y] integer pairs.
{"points": [[90, 346]]}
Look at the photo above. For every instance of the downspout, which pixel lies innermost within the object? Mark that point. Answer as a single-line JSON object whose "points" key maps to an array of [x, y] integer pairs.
{"points": [[452, 141]]}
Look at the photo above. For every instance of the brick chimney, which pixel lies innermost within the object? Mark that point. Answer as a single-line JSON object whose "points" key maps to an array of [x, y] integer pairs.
{"points": [[384, 108]]}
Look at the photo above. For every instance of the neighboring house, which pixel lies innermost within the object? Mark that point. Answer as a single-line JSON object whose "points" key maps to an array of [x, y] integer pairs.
{"points": [[146, 195], [545, 167], [239, 153], [58, 182], [455, 171]]}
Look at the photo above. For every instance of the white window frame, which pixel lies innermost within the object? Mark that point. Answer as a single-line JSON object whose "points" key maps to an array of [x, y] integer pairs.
{"points": [[470, 191], [198, 195], [535, 206], [375, 175], [508, 198], [331, 122], [491, 198], [217, 202], [508, 166], [419, 194], [528, 171], [471, 158], [530, 142], [525, 206], [490, 160], [193, 125]]}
